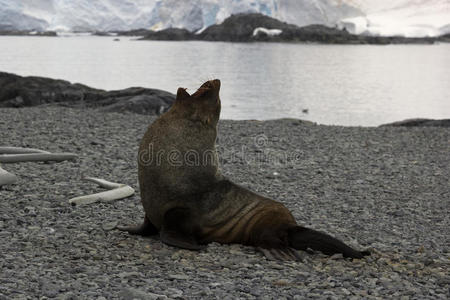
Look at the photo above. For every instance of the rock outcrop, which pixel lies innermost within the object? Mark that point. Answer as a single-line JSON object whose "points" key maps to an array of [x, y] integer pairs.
{"points": [[420, 123], [171, 34], [18, 91]]}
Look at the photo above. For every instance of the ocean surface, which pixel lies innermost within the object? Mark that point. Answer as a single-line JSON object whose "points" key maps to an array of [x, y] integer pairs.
{"points": [[360, 85]]}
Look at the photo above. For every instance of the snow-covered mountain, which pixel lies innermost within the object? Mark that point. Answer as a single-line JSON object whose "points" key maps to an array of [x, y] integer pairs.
{"points": [[103, 15], [384, 17], [75, 15]]}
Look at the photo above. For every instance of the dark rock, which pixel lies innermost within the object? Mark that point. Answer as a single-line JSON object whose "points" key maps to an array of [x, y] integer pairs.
{"points": [[134, 32], [420, 123], [171, 34], [384, 40], [25, 32], [240, 27], [141, 104], [320, 34], [103, 33], [444, 38], [135, 294], [17, 91]]}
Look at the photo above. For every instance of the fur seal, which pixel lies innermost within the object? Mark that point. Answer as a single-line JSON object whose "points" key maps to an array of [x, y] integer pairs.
{"points": [[189, 203]]}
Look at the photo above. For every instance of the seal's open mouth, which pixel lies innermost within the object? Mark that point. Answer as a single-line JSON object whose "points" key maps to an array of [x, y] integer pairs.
{"points": [[216, 84], [209, 86]]}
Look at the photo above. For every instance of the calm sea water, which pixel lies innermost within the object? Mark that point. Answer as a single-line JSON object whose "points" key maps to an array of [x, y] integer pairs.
{"points": [[343, 85]]}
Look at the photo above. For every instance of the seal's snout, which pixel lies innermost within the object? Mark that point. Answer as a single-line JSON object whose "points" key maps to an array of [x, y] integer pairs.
{"points": [[211, 84], [216, 84], [211, 88]]}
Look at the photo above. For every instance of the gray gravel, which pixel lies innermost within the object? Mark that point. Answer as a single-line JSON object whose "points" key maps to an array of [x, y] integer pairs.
{"points": [[382, 188]]}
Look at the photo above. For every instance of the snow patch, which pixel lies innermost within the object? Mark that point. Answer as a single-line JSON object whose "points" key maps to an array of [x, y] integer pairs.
{"points": [[269, 32]]}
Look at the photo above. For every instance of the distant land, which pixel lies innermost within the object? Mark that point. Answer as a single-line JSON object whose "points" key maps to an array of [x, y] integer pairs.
{"points": [[419, 18], [28, 33], [255, 27]]}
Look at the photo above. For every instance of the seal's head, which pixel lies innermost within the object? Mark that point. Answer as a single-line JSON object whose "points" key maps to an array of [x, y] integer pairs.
{"points": [[203, 105]]}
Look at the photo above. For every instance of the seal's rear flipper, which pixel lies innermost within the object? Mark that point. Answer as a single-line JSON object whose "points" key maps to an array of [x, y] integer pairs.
{"points": [[145, 229], [283, 254], [302, 238], [178, 229]]}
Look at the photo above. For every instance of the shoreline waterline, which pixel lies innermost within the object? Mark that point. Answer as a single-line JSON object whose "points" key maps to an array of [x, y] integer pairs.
{"points": [[359, 85]]}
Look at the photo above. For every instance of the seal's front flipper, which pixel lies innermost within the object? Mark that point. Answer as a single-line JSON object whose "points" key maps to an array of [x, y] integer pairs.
{"points": [[179, 229], [302, 238], [177, 239], [145, 229]]}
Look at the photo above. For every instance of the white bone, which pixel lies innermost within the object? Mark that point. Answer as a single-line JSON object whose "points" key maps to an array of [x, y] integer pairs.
{"points": [[20, 150], [25, 157], [6, 177], [104, 183], [116, 191]]}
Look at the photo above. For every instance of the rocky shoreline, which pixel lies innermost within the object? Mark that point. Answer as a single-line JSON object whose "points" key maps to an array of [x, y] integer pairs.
{"points": [[383, 188], [18, 91], [27, 33]]}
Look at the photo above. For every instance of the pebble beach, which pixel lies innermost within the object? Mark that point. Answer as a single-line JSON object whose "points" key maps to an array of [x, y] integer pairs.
{"points": [[386, 189]]}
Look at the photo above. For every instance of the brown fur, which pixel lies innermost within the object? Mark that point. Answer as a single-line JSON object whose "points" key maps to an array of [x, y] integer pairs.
{"points": [[192, 204], [188, 127]]}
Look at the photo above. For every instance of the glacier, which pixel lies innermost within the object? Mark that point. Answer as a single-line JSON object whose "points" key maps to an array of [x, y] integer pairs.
{"points": [[382, 17], [408, 18], [194, 15]]}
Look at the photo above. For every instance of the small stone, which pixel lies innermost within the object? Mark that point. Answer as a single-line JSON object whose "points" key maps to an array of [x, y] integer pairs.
{"points": [[128, 274], [135, 294], [50, 230], [175, 293], [179, 277], [30, 210], [109, 225], [336, 256], [50, 290], [345, 291], [215, 284]]}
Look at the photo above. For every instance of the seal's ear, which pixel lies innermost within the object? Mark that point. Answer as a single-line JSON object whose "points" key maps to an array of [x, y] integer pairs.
{"points": [[182, 94]]}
